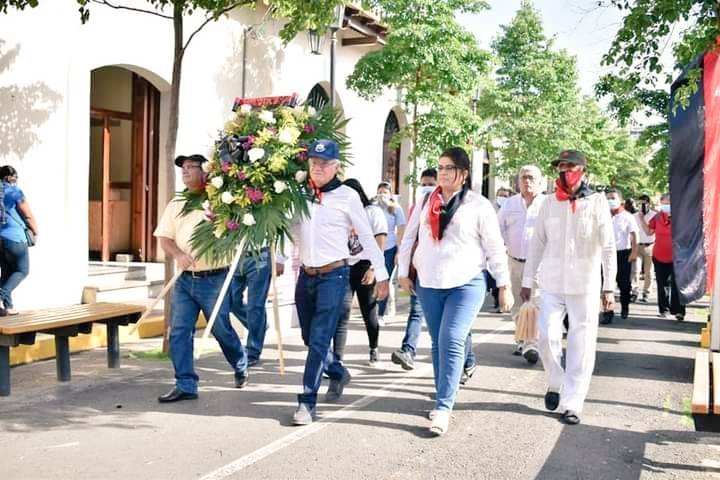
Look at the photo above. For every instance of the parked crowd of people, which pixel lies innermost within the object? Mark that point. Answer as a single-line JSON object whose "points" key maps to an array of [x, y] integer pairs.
{"points": [[563, 252]]}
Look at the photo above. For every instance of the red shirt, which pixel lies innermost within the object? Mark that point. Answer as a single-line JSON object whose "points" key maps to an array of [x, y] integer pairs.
{"points": [[662, 250]]}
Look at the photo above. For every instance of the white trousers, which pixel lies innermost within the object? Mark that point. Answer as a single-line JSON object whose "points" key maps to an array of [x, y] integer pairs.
{"points": [[516, 276], [574, 381]]}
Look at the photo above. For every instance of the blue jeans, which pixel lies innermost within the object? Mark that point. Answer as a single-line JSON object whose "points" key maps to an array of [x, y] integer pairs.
{"points": [[14, 267], [450, 314], [192, 294], [389, 264], [318, 300], [412, 333], [254, 275]]}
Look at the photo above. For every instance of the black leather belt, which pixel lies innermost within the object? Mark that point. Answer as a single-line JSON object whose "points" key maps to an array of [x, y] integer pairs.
{"points": [[646, 244], [521, 260], [206, 273]]}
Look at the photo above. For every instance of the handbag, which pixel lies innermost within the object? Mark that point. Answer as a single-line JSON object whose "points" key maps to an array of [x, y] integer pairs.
{"points": [[30, 237], [412, 272]]}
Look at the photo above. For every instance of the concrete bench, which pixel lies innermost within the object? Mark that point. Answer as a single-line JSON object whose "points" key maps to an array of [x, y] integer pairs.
{"points": [[63, 322], [705, 407]]}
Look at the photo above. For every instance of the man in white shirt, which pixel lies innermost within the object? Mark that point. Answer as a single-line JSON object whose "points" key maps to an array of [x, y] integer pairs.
{"points": [[324, 276], [196, 289], [573, 237], [517, 221], [626, 232], [645, 245]]}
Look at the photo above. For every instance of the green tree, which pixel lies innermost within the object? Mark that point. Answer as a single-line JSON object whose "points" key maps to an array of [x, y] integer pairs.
{"points": [[640, 80], [533, 107], [435, 64]]}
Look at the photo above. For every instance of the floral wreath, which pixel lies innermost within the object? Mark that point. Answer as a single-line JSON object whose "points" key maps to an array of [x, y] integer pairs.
{"points": [[256, 179]]}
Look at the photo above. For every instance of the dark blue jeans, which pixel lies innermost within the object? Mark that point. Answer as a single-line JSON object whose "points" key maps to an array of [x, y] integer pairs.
{"points": [[14, 267], [190, 295], [389, 265], [318, 300], [450, 313], [254, 275], [414, 326]]}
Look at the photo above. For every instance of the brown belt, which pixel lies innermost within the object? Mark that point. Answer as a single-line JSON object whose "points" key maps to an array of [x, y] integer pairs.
{"points": [[313, 271]]}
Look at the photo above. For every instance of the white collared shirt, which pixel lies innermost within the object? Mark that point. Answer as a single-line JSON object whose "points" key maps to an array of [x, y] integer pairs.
{"points": [[568, 248], [323, 236], [624, 224], [378, 225], [642, 236], [517, 222], [471, 242]]}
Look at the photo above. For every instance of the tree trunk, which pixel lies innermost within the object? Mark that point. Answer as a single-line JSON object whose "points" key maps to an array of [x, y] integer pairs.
{"points": [[170, 151]]}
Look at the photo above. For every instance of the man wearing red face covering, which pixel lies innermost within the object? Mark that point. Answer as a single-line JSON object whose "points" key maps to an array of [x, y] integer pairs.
{"points": [[573, 237]]}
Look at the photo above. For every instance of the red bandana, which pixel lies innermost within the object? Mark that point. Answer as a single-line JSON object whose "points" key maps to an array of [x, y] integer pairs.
{"points": [[564, 192], [316, 190], [435, 204]]}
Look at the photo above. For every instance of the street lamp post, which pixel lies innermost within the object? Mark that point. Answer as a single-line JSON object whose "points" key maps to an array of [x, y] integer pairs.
{"points": [[337, 23]]}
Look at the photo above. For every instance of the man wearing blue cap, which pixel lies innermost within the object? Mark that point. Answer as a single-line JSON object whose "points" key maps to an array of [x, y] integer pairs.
{"points": [[322, 238]]}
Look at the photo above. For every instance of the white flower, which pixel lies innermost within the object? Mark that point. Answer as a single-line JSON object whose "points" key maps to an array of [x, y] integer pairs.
{"points": [[245, 108], [267, 116], [279, 186], [248, 219], [256, 153], [300, 176], [217, 182], [206, 205], [227, 198], [206, 166], [218, 232], [311, 110], [288, 135]]}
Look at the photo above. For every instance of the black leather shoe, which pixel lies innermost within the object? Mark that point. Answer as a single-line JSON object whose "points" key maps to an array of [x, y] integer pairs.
{"points": [[552, 400], [241, 379], [176, 395]]}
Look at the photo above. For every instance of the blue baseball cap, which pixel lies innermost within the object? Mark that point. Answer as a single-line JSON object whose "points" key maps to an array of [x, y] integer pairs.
{"points": [[324, 150]]}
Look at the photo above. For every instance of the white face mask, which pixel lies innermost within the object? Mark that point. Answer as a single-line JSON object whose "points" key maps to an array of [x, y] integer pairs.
{"points": [[614, 203], [665, 207], [500, 201], [425, 189]]}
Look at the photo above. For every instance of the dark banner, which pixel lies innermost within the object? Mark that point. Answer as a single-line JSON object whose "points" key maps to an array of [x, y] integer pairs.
{"points": [[687, 156]]}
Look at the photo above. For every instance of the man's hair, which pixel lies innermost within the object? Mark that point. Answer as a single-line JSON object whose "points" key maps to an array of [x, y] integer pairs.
{"points": [[615, 191], [429, 172]]}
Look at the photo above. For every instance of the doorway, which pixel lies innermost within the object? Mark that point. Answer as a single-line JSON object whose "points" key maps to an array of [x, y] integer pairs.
{"points": [[122, 193]]}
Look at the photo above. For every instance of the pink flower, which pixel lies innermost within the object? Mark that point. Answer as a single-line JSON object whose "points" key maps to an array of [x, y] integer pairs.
{"points": [[255, 195], [249, 142], [302, 156], [308, 128], [232, 226], [241, 175], [225, 167]]}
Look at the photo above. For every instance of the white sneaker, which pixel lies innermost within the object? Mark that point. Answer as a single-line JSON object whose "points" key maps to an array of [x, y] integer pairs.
{"points": [[381, 320], [440, 422]]}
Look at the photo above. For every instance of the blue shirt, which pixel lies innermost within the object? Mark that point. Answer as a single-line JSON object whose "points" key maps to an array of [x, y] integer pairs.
{"points": [[14, 227]]}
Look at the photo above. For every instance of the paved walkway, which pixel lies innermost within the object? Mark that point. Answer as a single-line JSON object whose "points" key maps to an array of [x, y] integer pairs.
{"points": [[108, 423]]}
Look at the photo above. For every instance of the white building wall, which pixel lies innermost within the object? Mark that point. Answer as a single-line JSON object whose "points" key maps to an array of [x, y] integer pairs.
{"points": [[46, 57]]}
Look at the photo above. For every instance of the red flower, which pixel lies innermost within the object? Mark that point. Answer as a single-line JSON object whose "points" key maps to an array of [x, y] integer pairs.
{"points": [[255, 195]]}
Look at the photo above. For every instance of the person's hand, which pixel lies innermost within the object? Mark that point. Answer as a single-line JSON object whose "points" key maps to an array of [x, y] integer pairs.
{"points": [[184, 261], [608, 301], [525, 294], [633, 256], [505, 299], [279, 269], [369, 277], [381, 290], [406, 284]]}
